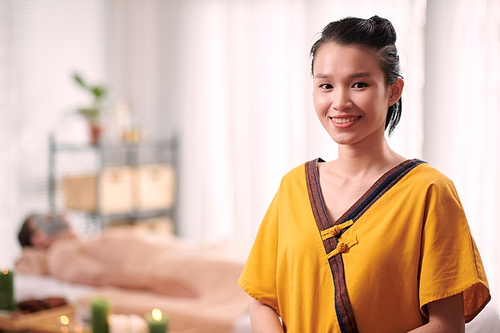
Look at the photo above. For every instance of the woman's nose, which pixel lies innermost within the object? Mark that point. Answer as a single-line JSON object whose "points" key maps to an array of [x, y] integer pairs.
{"points": [[341, 100]]}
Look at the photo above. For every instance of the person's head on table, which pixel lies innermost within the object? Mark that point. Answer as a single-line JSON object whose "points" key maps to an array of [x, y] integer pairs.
{"points": [[42, 230]]}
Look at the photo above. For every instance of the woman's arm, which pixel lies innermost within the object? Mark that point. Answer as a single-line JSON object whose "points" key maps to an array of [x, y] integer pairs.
{"points": [[445, 316], [264, 319]]}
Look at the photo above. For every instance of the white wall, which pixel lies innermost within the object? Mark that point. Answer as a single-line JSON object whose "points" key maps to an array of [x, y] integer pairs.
{"points": [[41, 43], [144, 62], [129, 46]]}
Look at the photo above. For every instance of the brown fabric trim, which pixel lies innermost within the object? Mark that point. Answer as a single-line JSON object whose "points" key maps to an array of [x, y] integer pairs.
{"points": [[343, 307], [345, 314], [372, 189], [316, 199]]}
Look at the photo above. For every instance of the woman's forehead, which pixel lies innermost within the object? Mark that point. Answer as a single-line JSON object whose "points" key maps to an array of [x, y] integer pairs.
{"points": [[347, 59]]}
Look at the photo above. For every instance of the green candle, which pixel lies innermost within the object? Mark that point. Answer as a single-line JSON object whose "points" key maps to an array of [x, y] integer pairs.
{"points": [[100, 308], [6, 289], [157, 323]]}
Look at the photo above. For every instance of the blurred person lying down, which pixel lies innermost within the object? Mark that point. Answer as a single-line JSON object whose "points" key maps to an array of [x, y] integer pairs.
{"points": [[41, 230], [125, 258]]}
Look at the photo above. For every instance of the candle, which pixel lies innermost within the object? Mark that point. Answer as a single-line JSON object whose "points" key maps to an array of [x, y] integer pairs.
{"points": [[66, 325], [138, 324], [100, 308], [64, 320], [122, 323], [156, 322], [118, 323], [6, 289]]}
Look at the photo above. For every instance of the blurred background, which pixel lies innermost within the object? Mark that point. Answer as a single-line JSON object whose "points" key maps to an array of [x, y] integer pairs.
{"points": [[228, 83]]}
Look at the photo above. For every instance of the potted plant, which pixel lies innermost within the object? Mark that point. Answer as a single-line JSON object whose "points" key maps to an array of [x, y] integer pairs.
{"points": [[94, 112]]}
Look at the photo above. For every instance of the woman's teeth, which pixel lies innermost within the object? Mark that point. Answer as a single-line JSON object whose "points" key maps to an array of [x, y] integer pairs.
{"points": [[344, 120]]}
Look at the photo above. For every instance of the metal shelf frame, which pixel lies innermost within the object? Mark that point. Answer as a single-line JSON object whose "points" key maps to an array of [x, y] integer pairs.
{"points": [[167, 153]]}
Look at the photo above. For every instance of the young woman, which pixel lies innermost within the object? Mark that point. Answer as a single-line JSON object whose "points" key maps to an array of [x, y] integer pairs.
{"points": [[372, 241]]}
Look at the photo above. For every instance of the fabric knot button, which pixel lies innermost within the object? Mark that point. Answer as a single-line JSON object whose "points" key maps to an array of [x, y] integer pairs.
{"points": [[335, 230], [342, 247]]}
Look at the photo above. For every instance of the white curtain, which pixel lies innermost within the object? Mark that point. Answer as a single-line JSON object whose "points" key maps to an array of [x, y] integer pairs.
{"points": [[244, 89], [476, 153], [247, 115], [461, 114], [9, 155]]}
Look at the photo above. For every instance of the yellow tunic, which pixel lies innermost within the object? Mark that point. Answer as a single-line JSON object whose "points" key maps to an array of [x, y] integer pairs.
{"points": [[410, 246]]}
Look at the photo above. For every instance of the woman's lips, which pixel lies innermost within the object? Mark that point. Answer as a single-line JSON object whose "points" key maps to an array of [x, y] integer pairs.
{"points": [[344, 122]]}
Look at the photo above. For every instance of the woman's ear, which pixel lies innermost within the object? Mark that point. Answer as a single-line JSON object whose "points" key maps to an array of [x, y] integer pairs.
{"points": [[395, 91]]}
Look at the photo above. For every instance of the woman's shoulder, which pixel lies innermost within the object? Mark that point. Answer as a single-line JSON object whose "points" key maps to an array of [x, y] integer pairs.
{"points": [[298, 172], [424, 173]]}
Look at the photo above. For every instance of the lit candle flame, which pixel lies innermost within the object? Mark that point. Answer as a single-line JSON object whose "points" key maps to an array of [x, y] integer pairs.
{"points": [[4, 270], [64, 320], [156, 314]]}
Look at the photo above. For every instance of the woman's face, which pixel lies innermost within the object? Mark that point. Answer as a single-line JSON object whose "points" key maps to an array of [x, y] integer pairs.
{"points": [[350, 94]]}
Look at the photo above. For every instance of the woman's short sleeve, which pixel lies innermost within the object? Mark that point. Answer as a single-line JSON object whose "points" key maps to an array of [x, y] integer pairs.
{"points": [[450, 261], [259, 274]]}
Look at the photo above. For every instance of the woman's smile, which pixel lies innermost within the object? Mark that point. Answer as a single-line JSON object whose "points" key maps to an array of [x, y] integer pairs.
{"points": [[344, 122]]}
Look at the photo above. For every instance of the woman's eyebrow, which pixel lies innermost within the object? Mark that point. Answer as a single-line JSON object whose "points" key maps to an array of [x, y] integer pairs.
{"points": [[324, 76], [321, 76]]}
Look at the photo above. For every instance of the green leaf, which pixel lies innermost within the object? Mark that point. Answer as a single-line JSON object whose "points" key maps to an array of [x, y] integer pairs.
{"points": [[79, 80], [98, 91], [92, 114]]}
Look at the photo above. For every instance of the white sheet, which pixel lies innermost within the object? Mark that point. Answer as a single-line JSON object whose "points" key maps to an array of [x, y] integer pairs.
{"points": [[37, 286]]}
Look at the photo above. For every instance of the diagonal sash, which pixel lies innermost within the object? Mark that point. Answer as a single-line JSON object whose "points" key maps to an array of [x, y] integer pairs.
{"points": [[331, 233]]}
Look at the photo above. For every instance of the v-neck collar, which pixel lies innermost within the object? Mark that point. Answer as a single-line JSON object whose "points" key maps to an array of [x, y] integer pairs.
{"points": [[382, 185]]}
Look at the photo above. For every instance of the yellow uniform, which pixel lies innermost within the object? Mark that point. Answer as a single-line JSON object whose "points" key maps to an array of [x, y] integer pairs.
{"points": [[404, 244]]}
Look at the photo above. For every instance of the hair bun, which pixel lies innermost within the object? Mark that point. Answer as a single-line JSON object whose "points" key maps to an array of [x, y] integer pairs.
{"points": [[381, 30]]}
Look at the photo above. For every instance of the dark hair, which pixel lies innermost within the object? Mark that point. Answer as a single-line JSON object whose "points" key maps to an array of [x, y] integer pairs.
{"points": [[375, 33], [25, 233]]}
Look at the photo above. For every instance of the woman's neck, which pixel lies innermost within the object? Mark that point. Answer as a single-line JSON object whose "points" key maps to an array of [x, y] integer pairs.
{"points": [[366, 160]]}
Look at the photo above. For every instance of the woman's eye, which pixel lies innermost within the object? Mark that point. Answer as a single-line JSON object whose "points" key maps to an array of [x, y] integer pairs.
{"points": [[326, 86], [359, 85]]}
